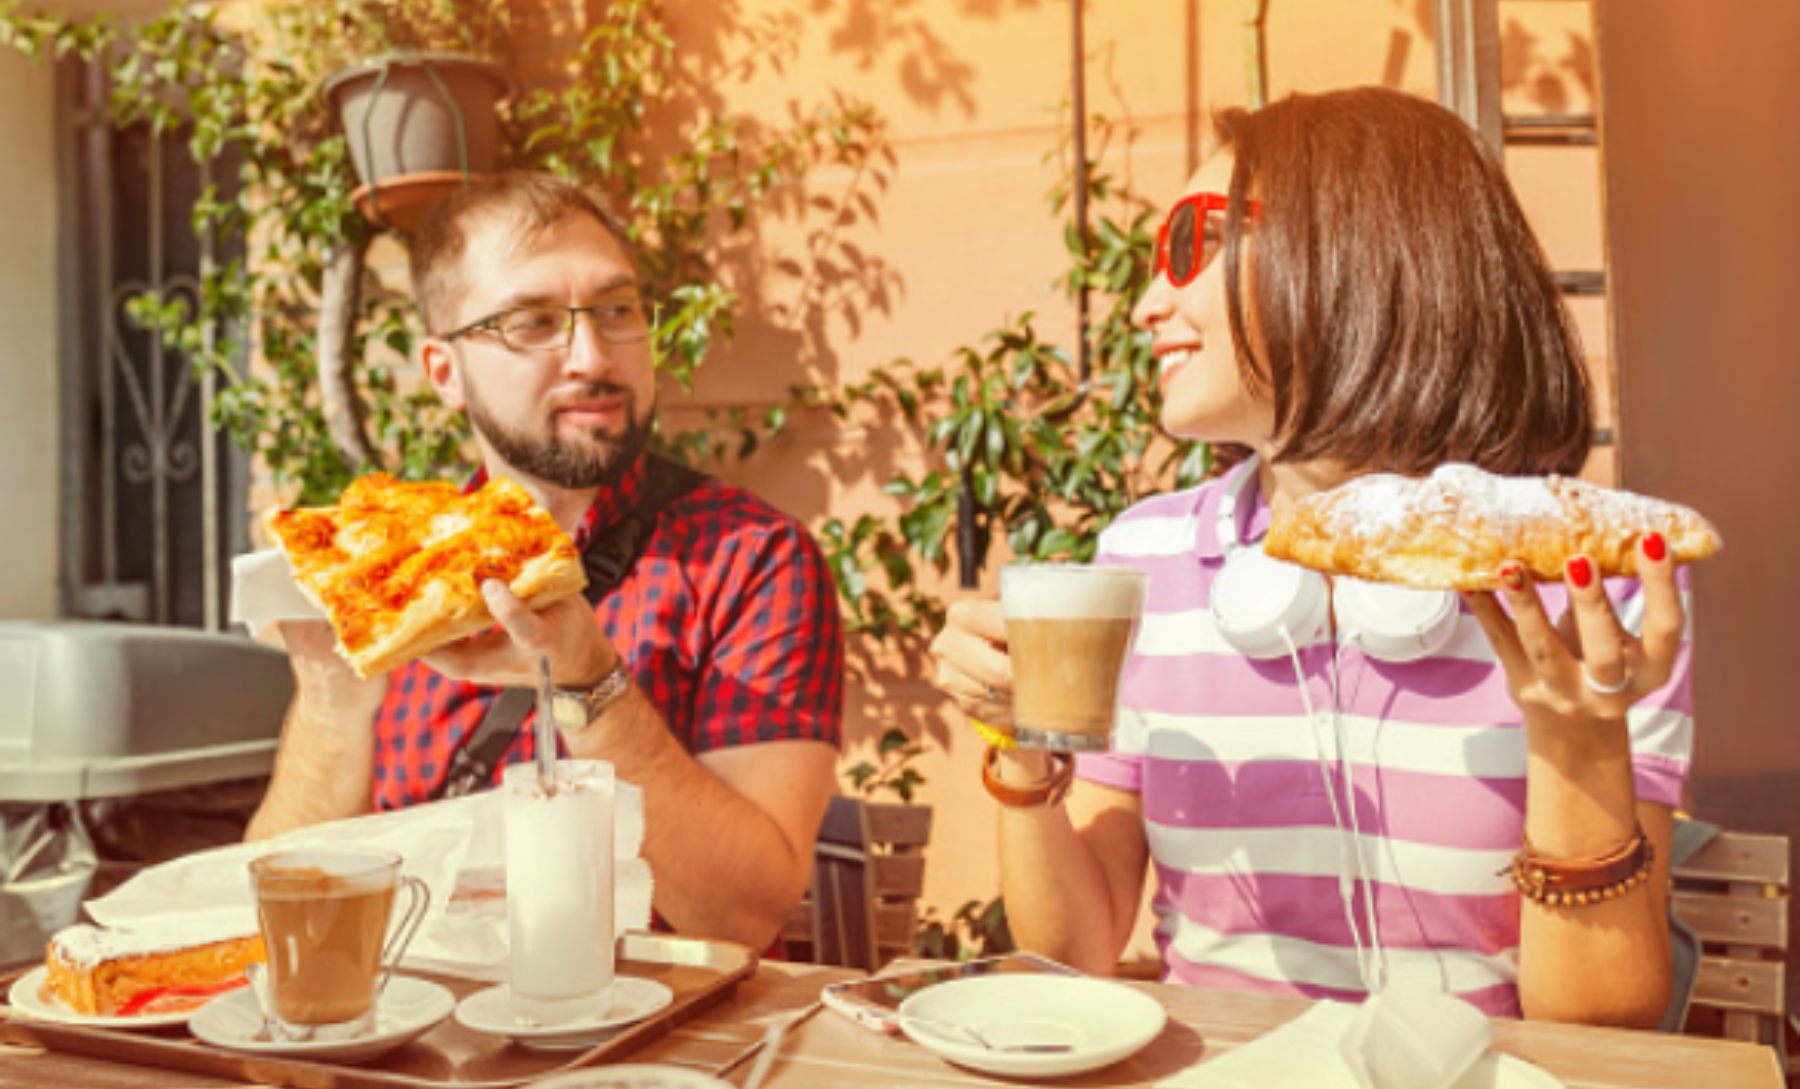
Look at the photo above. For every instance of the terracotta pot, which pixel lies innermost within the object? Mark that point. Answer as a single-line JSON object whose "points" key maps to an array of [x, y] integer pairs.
{"points": [[418, 126]]}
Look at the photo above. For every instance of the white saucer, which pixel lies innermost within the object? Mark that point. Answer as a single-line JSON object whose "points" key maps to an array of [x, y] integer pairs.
{"points": [[27, 995], [1101, 1022], [407, 1008], [633, 999]]}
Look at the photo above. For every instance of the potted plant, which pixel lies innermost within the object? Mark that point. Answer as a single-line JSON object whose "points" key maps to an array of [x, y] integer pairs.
{"points": [[419, 125]]}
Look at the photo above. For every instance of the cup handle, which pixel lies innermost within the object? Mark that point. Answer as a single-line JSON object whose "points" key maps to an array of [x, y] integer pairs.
{"points": [[417, 903]]}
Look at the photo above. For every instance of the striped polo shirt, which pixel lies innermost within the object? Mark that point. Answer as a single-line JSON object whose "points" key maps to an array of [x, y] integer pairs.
{"points": [[1240, 828]]}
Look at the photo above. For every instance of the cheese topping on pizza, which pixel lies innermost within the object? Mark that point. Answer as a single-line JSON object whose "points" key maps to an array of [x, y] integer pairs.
{"points": [[398, 567]]}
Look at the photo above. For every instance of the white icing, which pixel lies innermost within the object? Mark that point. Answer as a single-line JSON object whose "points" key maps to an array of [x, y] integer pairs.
{"points": [[88, 946], [1057, 591], [1384, 504]]}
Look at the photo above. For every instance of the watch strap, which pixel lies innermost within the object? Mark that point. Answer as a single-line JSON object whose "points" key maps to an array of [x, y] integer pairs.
{"points": [[595, 699]]}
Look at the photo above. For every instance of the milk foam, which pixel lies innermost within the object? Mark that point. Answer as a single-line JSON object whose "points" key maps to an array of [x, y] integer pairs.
{"points": [[305, 873], [1071, 592]]}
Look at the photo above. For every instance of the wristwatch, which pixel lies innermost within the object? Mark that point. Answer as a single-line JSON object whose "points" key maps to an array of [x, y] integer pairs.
{"points": [[573, 709]]}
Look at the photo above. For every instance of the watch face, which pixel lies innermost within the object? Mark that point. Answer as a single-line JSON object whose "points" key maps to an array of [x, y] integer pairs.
{"points": [[568, 711]]}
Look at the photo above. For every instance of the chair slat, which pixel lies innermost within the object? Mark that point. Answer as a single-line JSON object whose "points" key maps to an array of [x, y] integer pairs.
{"points": [[895, 924], [1739, 856], [899, 876], [1734, 920], [900, 825], [1751, 986]]}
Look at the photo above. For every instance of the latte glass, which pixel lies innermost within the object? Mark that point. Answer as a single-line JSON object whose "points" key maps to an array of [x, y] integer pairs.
{"points": [[325, 915], [1069, 629]]}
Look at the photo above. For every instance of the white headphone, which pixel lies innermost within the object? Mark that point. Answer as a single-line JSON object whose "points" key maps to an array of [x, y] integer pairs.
{"points": [[1261, 604]]}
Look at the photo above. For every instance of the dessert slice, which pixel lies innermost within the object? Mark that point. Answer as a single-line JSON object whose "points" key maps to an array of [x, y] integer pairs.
{"points": [[110, 972]]}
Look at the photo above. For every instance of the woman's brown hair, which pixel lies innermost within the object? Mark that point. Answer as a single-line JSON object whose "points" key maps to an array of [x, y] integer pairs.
{"points": [[1405, 312]]}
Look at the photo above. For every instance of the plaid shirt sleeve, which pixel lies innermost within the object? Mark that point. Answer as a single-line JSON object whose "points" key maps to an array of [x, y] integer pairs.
{"points": [[775, 666]]}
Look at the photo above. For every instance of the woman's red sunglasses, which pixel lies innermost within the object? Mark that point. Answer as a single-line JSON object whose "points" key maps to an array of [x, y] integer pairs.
{"points": [[1190, 237]]}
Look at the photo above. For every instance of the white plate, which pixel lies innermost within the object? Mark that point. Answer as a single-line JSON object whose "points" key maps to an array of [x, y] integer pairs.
{"points": [[633, 999], [1497, 1071], [1103, 1022], [407, 1008], [29, 997]]}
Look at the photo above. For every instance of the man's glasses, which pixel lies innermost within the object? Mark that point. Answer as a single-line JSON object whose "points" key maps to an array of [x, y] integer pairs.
{"points": [[619, 319], [1190, 236]]}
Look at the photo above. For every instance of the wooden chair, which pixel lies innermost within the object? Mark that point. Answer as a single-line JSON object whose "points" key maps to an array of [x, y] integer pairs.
{"points": [[868, 870], [1733, 892]]}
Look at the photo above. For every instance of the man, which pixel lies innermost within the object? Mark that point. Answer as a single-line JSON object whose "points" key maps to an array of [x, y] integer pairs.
{"points": [[712, 676]]}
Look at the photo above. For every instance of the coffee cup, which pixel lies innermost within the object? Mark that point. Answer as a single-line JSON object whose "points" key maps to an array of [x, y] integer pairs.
{"points": [[1069, 630], [324, 913]]}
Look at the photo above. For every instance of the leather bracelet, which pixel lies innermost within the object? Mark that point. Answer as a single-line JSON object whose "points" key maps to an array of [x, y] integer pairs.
{"points": [[1578, 882], [1048, 792]]}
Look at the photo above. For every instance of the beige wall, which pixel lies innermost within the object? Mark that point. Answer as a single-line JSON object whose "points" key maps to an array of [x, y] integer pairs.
{"points": [[28, 340], [963, 240]]}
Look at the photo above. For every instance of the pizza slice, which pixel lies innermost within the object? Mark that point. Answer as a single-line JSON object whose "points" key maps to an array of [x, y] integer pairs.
{"points": [[397, 567]]}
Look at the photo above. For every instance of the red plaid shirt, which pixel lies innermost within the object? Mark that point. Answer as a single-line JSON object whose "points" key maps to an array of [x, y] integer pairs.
{"points": [[728, 620]]}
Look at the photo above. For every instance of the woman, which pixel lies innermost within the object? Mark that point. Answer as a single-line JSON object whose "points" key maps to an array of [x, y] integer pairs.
{"points": [[1349, 286]]}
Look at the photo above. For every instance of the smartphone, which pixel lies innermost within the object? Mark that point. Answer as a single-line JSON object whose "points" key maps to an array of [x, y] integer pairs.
{"points": [[875, 1002]]}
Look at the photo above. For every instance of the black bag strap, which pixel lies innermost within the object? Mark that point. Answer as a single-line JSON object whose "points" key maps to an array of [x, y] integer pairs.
{"points": [[608, 557]]}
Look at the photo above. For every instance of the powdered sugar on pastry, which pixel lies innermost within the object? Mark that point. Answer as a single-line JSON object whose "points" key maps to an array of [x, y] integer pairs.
{"points": [[1454, 528], [86, 946]]}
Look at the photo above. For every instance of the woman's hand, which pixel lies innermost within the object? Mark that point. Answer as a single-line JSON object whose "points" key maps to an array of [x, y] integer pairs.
{"points": [[973, 667], [1585, 668]]}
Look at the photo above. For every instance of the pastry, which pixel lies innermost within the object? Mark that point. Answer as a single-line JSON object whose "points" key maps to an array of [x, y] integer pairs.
{"points": [[1452, 530], [108, 972]]}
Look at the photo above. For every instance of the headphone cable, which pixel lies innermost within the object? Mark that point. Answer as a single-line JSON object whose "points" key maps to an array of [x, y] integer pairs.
{"points": [[1369, 956]]}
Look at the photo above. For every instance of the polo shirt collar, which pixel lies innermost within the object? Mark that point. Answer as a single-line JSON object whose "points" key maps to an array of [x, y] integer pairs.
{"points": [[1251, 514]]}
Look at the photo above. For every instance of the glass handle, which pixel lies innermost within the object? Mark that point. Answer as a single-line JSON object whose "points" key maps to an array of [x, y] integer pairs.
{"points": [[417, 903]]}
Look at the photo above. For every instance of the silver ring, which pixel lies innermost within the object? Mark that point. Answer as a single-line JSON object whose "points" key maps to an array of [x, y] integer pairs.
{"points": [[1605, 689], [992, 696]]}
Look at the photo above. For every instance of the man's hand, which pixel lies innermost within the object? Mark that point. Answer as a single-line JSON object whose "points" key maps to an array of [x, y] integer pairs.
{"points": [[324, 765], [565, 630], [321, 674]]}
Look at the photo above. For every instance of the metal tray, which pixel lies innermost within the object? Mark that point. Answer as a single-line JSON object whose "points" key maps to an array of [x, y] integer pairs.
{"points": [[701, 973]]}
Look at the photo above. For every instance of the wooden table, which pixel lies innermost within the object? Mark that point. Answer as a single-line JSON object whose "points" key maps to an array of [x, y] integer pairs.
{"points": [[827, 1050]]}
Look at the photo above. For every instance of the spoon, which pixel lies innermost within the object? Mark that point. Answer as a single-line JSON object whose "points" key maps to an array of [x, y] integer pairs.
{"points": [[546, 729], [954, 1029]]}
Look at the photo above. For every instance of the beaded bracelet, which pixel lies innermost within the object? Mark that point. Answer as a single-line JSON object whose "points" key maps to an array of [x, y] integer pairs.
{"points": [[1580, 882]]}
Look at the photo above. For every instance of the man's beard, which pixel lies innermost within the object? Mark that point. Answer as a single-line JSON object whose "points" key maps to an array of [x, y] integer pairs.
{"points": [[599, 460]]}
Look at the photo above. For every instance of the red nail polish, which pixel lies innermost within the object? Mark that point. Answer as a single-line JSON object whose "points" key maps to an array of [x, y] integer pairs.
{"points": [[1581, 572], [1655, 547], [1512, 573]]}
